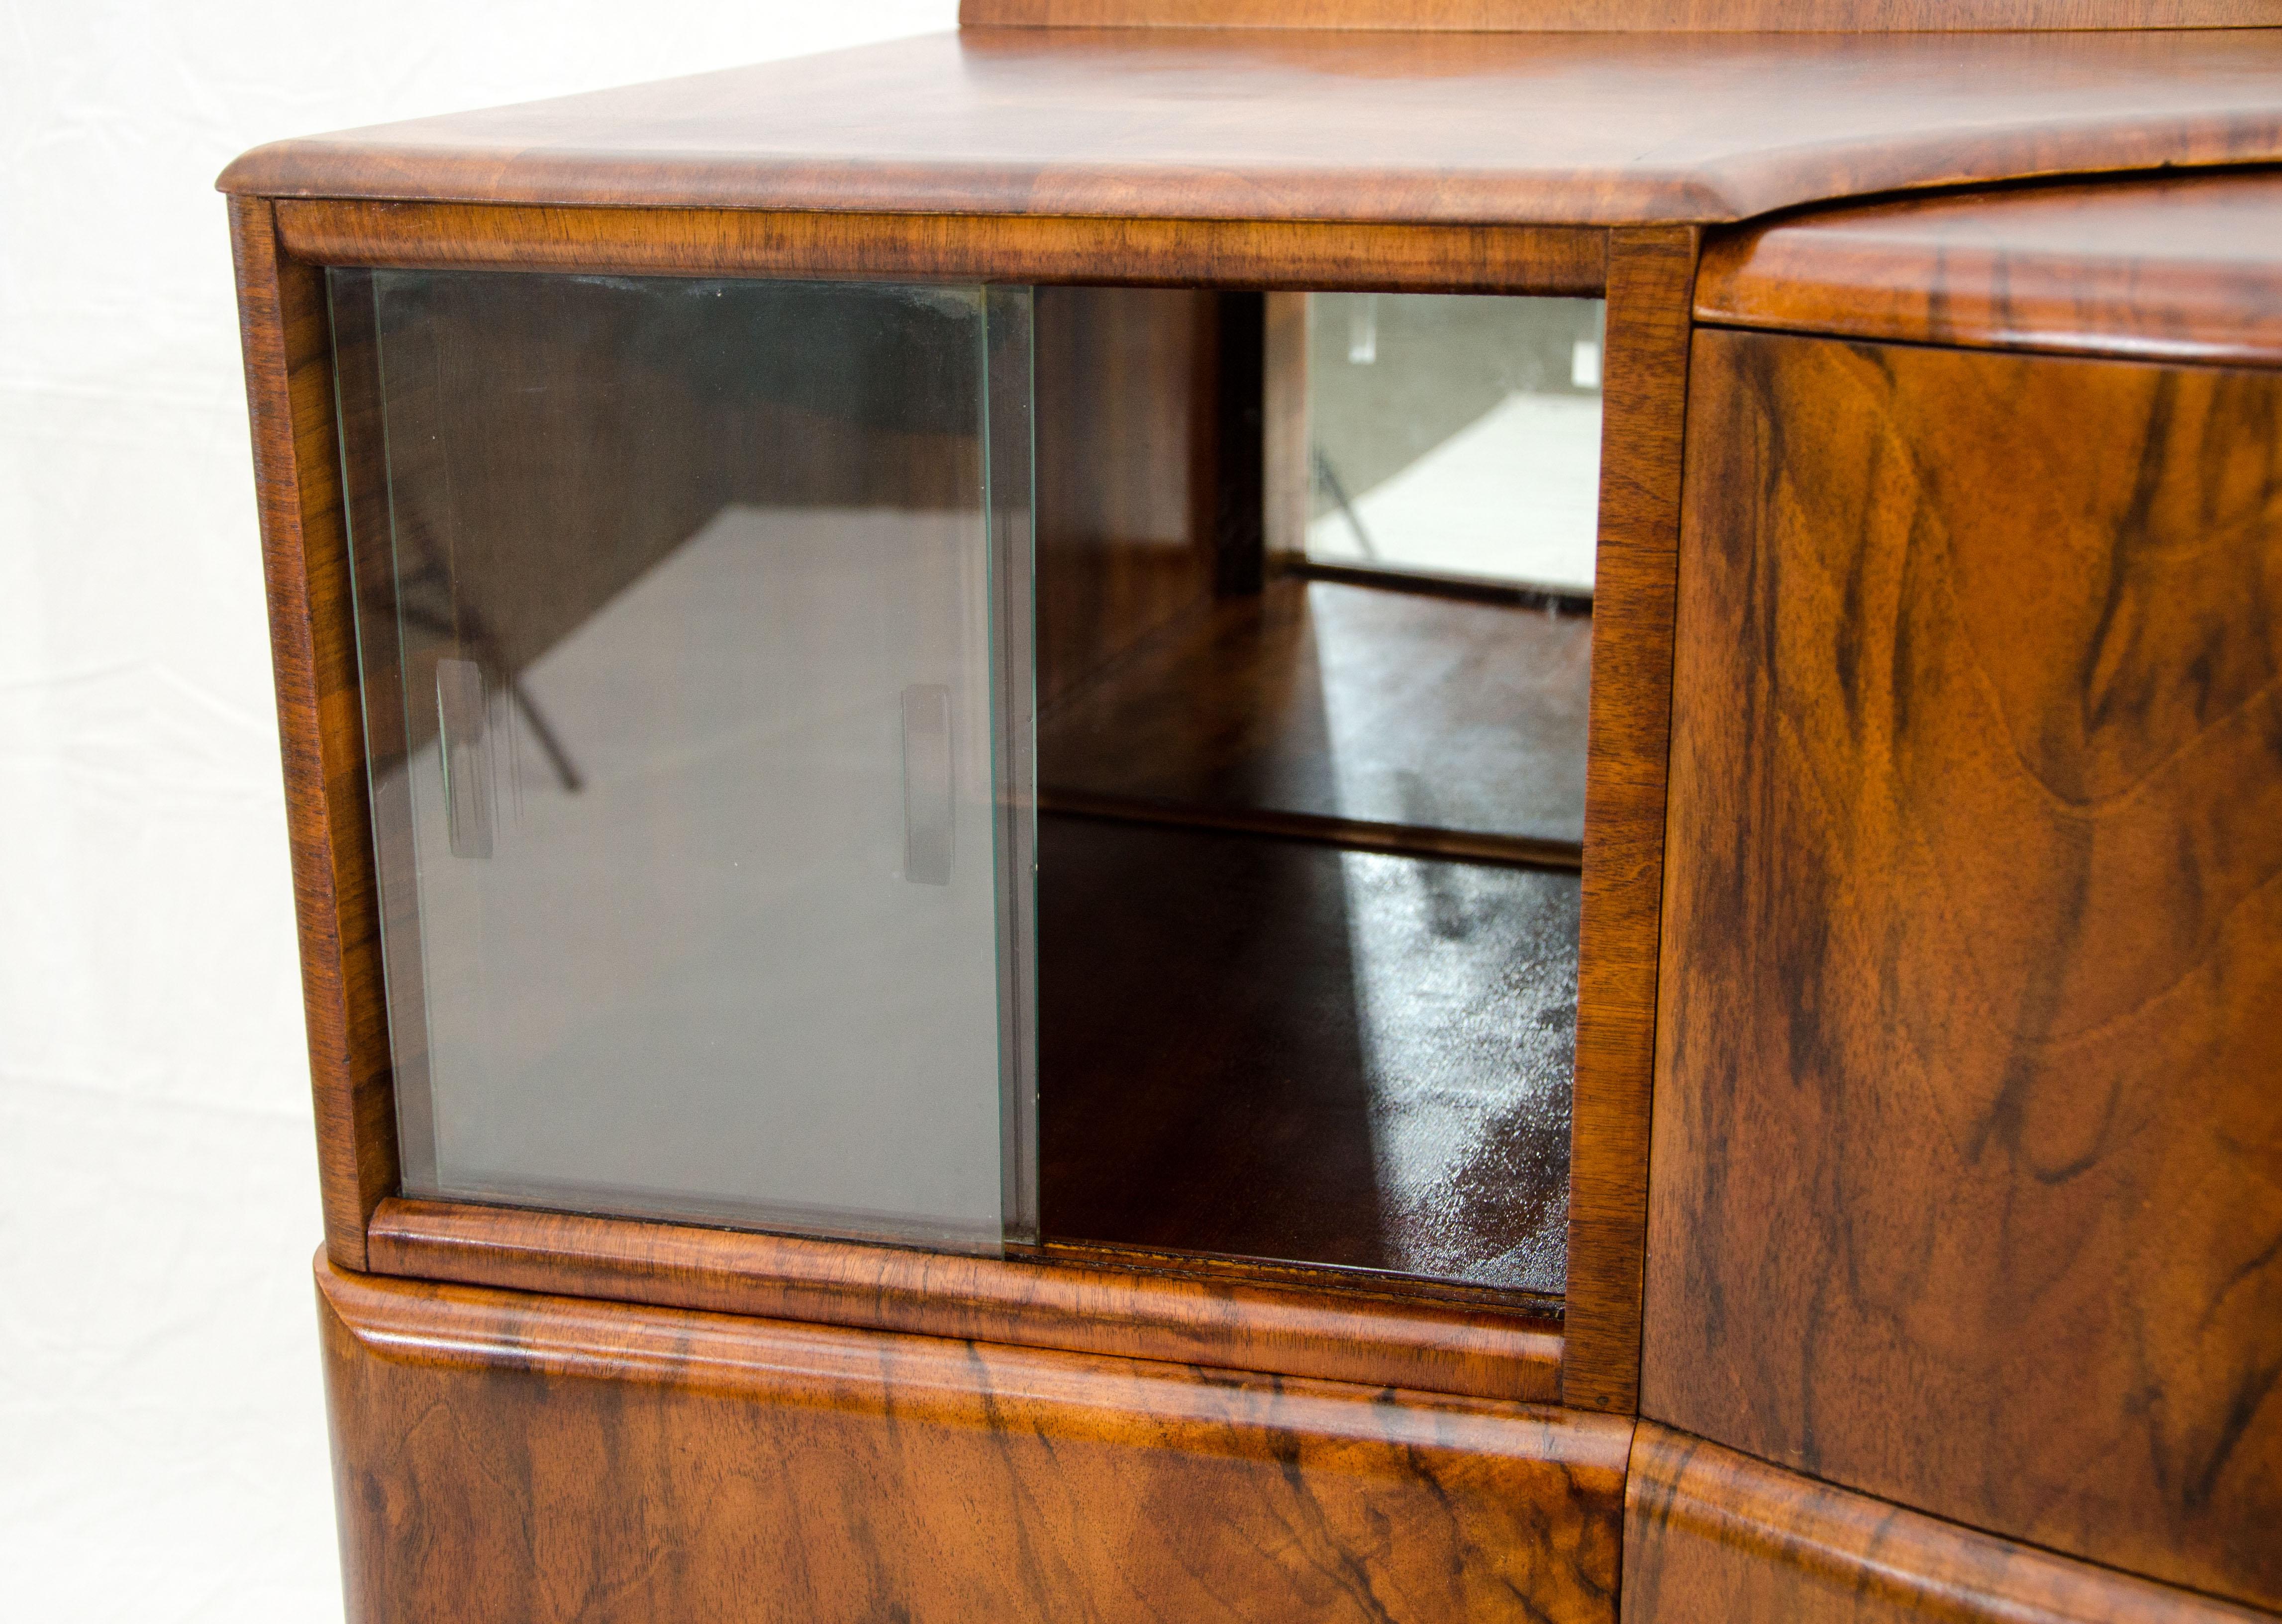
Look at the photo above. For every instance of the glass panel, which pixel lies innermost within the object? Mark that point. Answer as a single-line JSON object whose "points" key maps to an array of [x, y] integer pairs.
{"points": [[1455, 435], [694, 618]]}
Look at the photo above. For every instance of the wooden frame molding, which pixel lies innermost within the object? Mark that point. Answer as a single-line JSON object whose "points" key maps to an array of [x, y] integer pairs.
{"points": [[289, 384], [1620, 16], [1191, 1318], [1712, 1533], [689, 242], [1643, 413], [1376, 1333], [510, 1457]]}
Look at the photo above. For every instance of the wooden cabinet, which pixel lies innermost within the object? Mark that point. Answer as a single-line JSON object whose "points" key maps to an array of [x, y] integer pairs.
{"points": [[937, 988]]}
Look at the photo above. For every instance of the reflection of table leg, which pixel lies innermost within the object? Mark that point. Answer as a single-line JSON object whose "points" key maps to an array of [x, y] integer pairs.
{"points": [[1329, 478], [566, 772]]}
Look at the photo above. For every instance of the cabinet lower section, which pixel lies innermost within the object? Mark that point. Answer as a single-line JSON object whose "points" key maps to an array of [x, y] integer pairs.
{"points": [[508, 1456]]}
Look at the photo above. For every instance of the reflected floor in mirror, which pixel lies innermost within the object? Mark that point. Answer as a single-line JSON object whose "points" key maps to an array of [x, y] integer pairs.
{"points": [[1278, 1049]]}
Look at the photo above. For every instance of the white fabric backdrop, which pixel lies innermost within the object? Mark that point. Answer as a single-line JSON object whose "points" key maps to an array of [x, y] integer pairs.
{"points": [[162, 1449]]}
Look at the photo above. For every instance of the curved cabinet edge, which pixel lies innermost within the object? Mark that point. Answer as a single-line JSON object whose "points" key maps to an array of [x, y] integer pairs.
{"points": [[1713, 1534], [2180, 268], [508, 1456]]}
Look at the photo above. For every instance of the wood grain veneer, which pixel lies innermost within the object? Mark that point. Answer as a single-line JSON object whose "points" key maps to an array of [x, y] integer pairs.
{"points": [[1643, 400], [1969, 1110], [528, 1458], [289, 386], [1135, 1312], [1696, 16], [1710, 1534], [2180, 268], [726, 241], [1293, 126]]}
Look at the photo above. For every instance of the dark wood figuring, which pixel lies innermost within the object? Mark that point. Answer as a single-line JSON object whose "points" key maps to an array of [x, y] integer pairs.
{"points": [[1410, 714], [1268, 1049], [1695, 16], [1127, 1305], [1642, 404], [289, 386], [528, 1458], [1968, 1130], [1710, 1534], [2180, 268], [1291, 125], [871, 245]]}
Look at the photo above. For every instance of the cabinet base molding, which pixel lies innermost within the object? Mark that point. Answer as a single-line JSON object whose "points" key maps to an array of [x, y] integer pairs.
{"points": [[1713, 1534], [506, 1455]]}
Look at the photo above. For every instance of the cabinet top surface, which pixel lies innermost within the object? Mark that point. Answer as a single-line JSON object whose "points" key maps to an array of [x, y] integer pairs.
{"points": [[1589, 129], [2185, 268]]}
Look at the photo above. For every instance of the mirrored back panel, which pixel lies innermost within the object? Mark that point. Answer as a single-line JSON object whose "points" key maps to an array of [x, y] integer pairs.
{"points": [[1455, 436], [694, 621]]}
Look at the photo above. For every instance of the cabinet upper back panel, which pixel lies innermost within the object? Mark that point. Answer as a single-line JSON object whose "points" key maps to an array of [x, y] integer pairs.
{"points": [[1485, 129]]}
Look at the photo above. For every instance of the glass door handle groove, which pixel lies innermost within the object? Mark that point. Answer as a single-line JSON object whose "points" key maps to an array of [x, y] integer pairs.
{"points": [[927, 784]]}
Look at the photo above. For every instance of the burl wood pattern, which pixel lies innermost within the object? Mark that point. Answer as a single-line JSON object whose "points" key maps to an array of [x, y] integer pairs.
{"points": [[1642, 406], [1968, 1107], [1333, 125], [1234, 1317], [2182, 267], [1712, 1534], [289, 386], [508, 1457]]}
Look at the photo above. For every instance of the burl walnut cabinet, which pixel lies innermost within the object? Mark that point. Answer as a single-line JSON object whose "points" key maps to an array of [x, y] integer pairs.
{"points": [[1393, 809]]}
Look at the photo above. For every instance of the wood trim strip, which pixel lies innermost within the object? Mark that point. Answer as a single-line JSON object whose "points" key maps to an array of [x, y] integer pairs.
{"points": [[1378, 1340], [289, 386], [685, 242], [1643, 413], [2173, 270], [1713, 1534], [1621, 16]]}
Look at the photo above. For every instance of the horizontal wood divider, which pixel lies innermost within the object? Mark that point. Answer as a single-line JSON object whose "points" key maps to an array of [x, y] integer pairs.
{"points": [[1421, 1344], [693, 242]]}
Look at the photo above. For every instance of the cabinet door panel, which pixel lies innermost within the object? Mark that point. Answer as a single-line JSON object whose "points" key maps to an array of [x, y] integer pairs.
{"points": [[1967, 1132]]}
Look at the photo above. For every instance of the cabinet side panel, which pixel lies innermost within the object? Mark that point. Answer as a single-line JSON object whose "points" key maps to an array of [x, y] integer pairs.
{"points": [[504, 1456], [1710, 1533], [289, 386], [1643, 410], [1969, 1118]]}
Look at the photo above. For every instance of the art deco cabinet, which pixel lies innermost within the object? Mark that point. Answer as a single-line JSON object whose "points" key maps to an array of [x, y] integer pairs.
{"points": [[1435, 816]]}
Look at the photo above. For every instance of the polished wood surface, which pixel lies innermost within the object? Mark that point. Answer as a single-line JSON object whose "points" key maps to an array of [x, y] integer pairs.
{"points": [[1445, 726], [1272, 1049], [1694, 16], [1610, 129], [1337, 1329], [1124, 431], [1713, 1534], [289, 386], [1968, 1109], [1642, 419], [528, 1458], [868, 246], [2185, 268]]}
